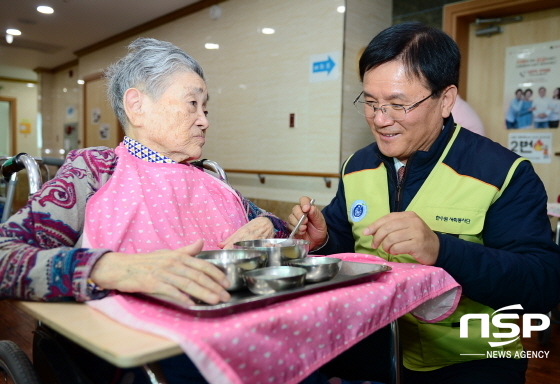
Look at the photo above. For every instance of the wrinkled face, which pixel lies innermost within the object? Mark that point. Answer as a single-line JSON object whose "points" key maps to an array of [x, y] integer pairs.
{"points": [[388, 84], [176, 123]]}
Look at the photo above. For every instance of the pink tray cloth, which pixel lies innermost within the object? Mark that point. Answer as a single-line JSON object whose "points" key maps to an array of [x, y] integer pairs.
{"points": [[287, 341]]}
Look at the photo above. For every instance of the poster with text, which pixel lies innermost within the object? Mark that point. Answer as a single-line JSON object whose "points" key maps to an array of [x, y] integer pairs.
{"points": [[532, 86], [535, 146]]}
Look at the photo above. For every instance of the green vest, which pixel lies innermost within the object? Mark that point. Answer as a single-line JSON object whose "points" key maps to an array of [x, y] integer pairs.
{"points": [[449, 203]]}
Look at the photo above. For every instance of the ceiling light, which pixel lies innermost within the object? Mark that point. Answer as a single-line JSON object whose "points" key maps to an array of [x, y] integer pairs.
{"points": [[81, 82], [30, 85], [211, 46], [268, 31], [14, 32], [341, 9], [9, 39], [45, 9]]}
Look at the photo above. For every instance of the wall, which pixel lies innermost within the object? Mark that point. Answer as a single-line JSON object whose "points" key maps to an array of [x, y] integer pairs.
{"points": [[485, 84], [61, 97], [364, 20], [255, 81]]}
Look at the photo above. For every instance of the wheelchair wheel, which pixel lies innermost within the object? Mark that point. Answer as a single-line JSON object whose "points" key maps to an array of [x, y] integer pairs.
{"points": [[15, 367]]}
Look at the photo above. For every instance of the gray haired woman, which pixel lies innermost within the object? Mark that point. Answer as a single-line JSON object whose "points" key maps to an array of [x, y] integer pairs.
{"points": [[132, 218]]}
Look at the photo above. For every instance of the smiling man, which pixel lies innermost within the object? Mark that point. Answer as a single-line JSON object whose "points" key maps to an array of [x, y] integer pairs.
{"points": [[430, 192]]}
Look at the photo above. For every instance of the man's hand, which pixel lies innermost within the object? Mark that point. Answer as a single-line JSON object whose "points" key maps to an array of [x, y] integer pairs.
{"points": [[405, 233], [313, 228]]}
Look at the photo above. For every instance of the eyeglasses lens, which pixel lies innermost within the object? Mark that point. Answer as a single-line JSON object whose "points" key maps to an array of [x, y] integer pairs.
{"points": [[367, 110]]}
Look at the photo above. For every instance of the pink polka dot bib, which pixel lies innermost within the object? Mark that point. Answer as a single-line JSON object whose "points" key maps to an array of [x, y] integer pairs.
{"points": [[145, 207]]}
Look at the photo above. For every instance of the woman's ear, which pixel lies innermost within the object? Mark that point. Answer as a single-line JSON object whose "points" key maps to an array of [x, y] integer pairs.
{"points": [[133, 100], [449, 97]]}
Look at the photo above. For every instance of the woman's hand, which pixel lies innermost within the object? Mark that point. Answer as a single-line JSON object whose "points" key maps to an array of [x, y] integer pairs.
{"points": [[313, 228], [258, 228], [175, 274]]}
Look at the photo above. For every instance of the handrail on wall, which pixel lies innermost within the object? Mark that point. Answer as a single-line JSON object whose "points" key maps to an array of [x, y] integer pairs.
{"points": [[326, 176]]}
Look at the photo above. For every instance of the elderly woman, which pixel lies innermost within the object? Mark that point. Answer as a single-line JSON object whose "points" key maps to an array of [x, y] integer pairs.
{"points": [[132, 218]]}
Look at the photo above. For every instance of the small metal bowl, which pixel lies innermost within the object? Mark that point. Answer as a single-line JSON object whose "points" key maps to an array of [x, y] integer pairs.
{"points": [[268, 280], [234, 263], [277, 254], [318, 268]]}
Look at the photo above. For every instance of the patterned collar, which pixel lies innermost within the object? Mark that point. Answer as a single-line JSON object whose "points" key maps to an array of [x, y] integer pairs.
{"points": [[144, 153]]}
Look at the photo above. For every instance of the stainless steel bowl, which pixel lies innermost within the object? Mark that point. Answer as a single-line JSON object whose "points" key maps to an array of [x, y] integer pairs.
{"points": [[268, 280], [234, 263], [277, 254], [318, 268]]}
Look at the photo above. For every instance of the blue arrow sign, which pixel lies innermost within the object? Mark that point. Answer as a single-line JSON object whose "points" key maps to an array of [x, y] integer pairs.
{"points": [[324, 66]]}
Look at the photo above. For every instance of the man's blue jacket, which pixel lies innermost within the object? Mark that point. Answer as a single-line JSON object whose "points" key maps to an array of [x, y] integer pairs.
{"points": [[519, 262]]}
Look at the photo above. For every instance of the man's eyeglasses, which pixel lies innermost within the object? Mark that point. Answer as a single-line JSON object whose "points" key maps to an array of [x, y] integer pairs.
{"points": [[395, 112]]}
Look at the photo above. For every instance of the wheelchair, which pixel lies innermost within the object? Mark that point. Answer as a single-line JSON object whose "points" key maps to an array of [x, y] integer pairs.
{"points": [[58, 360], [35, 167], [72, 364]]}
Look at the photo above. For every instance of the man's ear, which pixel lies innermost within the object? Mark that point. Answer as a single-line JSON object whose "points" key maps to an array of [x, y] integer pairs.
{"points": [[449, 97], [133, 103]]}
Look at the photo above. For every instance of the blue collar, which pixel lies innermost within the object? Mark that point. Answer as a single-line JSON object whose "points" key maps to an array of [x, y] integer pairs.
{"points": [[144, 153]]}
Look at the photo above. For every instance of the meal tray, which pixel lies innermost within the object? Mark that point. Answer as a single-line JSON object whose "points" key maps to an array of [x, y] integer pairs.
{"points": [[350, 273]]}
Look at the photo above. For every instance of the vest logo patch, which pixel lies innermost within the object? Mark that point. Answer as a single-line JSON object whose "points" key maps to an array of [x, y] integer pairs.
{"points": [[358, 210]]}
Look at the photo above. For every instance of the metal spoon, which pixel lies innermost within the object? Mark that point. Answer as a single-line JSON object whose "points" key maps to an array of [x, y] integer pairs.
{"points": [[289, 241]]}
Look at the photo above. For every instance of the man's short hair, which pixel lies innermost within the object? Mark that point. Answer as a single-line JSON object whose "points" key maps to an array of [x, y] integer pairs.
{"points": [[428, 54]]}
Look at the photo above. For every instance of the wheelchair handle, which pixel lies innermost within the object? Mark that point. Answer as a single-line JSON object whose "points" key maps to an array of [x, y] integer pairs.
{"points": [[211, 165], [18, 163]]}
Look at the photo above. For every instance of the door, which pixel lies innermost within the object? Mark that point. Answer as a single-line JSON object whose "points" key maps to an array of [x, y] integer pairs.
{"points": [[7, 126], [483, 72], [101, 124]]}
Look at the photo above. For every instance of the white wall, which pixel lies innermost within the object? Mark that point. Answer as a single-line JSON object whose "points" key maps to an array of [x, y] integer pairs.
{"points": [[61, 99], [255, 81], [364, 20]]}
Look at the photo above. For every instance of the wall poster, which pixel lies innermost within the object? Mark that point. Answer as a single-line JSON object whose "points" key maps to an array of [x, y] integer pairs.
{"points": [[104, 131], [95, 115], [535, 146], [532, 86]]}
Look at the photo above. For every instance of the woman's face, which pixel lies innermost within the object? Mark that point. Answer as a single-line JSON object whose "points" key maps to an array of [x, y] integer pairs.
{"points": [[175, 124], [528, 95]]}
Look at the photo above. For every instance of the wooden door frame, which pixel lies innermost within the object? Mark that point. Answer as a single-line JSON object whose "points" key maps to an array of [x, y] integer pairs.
{"points": [[13, 123], [457, 18], [87, 79]]}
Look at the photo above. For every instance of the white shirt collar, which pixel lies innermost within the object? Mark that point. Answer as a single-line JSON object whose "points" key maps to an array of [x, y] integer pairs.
{"points": [[398, 164]]}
